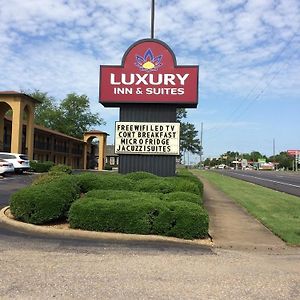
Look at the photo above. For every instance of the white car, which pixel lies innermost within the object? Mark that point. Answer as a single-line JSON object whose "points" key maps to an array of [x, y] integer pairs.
{"points": [[19, 161], [6, 167]]}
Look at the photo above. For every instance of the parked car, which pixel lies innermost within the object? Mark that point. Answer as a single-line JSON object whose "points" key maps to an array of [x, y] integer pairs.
{"points": [[6, 167], [19, 161]]}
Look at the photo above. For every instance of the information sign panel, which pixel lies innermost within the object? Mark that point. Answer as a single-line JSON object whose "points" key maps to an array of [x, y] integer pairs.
{"points": [[149, 74], [147, 138]]}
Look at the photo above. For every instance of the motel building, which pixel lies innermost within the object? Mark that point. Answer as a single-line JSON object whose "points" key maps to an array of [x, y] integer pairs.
{"points": [[19, 134]]}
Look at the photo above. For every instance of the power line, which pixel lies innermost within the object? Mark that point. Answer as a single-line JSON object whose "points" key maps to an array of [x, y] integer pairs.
{"points": [[231, 118]]}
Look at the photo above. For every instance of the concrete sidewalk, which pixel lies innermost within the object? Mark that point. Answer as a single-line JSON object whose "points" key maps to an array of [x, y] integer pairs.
{"points": [[232, 227]]}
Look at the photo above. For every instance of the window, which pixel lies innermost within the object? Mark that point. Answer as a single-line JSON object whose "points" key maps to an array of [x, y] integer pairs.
{"points": [[7, 156]]}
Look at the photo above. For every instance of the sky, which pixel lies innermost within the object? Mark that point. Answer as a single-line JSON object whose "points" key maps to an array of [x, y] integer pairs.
{"points": [[247, 50]]}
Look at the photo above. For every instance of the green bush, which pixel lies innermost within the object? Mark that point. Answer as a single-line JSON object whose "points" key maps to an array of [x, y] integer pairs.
{"points": [[122, 195], [49, 177], [190, 220], [183, 185], [178, 219], [108, 167], [136, 203], [167, 185], [61, 168], [183, 196], [187, 175], [159, 185], [41, 167], [143, 196], [141, 175], [94, 181], [114, 216], [43, 203]]}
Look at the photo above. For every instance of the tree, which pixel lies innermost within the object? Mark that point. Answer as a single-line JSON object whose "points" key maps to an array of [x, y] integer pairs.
{"points": [[285, 161], [181, 113], [76, 116], [72, 116], [255, 155], [189, 143], [46, 113]]}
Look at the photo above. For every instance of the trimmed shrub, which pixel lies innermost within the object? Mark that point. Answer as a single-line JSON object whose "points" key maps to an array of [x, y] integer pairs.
{"points": [[122, 195], [178, 219], [140, 175], [159, 185], [94, 181], [190, 220], [185, 185], [49, 177], [167, 185], [43, 203], [114, 216], [187, 175], [41, 167], [143, 196], [183, 196], [61, 168]]}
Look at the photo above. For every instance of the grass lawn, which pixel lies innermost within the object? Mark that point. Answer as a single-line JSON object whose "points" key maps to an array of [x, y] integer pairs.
{"points": [[278, 211]]}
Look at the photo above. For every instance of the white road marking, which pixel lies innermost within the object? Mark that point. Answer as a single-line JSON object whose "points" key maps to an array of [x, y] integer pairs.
{"points": [[264, 179], [5, 179]]}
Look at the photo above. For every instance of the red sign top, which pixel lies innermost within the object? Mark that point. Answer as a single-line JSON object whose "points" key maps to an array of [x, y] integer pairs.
{"points": [[149, 74], [293, 152]]}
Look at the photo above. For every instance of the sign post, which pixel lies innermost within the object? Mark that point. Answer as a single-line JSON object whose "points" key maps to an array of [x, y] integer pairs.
{"points": [[148, 87], [296, 154]]}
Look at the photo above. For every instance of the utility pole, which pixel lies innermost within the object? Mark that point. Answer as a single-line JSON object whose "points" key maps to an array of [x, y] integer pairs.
{"points": [[152, 18], [201, 141], [274, 152]]}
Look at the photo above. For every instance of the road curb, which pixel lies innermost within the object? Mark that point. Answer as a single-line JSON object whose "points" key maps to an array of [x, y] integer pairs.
{"points": [[69, 233]]}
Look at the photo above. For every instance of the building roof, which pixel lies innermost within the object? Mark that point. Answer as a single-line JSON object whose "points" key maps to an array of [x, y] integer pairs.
{"points": [[47, 130], [14, 93], [96, 132], [57, 133], [110, 150]]}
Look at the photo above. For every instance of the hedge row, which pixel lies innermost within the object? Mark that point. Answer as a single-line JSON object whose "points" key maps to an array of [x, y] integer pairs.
{"points": [[41, 167], [141, 182], [92, 181], [48, 166], [142, 196], [40, 204], [123, 195], [179, 219], [164, 206]]}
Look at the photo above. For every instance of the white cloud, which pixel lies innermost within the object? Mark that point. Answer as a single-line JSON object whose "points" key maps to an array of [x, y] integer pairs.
{"points": [[57, 46]]}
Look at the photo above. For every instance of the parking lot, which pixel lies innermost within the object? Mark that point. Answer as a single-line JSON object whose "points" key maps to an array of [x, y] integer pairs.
{"points": [[11, 183]]}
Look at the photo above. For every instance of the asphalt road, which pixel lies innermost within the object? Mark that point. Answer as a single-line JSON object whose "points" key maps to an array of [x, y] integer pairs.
{"points": [[287, 182], [35, 267], [11, 183]]}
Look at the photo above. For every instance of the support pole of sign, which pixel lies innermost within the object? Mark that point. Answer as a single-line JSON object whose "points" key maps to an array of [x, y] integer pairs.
{"points": [[152, 18]]}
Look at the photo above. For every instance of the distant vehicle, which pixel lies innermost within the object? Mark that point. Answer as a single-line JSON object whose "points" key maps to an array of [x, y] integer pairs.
{"points": [[6, 167], [248, 168], [266, 166], [19, 161], [222, 166]]}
